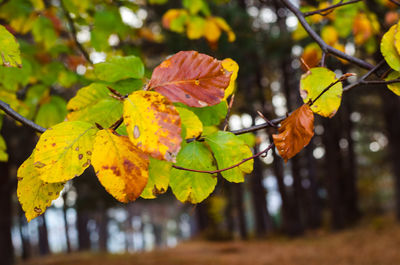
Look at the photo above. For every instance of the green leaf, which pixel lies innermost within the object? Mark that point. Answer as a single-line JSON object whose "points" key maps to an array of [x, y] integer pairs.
{"points": [[388, 49], [94, 104], [64, 151], [3, 150], [313, 83], [192, 123], [394, 87], [52, 112], [14, 78], [118, 68], [43, 32], [190, 186], [34, 194], [211, 115], [248, 138], [229, 150], [159, 171], [9, 49]]}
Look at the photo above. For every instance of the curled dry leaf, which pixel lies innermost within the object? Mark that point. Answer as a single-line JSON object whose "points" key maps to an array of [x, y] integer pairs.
{"points": [[195, 79], [123, 169], [295, 132]]}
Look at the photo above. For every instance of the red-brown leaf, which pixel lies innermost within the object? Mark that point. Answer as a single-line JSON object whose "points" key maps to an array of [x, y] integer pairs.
{"points": [[195, 79], [295, 132]]}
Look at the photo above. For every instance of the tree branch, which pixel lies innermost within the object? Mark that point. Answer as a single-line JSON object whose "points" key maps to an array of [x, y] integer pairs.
{"points": [[16, 116], [74, 33], [329, 8], [224, 169], [325, 47]]}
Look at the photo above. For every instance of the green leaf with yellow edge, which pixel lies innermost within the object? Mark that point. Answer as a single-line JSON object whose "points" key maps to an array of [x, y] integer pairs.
{"points": [[192, 123], [394, 87], [231, 66], [34, 194], [121, 167], [119, 68], [228, 150], [190, 186], [153, 124], [388, 49], [313, 83], [3, 150], [159, 171], [94, 104], [196, 26], [9, 49], [249, 139], [52, 112], [64, 151]]}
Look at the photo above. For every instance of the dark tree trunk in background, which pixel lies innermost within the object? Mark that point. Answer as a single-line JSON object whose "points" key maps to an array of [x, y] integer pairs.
{"points": [[263, 222], [66, 225], [25, 244], [6, 247], [333, 170], [83, 232], [391, 110], [201, 217], [103, 231], [43, 236], [239, 205]]}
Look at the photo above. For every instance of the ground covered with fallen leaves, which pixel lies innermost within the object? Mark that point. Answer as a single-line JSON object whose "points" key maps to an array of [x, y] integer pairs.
{"points": [[372, 243]]}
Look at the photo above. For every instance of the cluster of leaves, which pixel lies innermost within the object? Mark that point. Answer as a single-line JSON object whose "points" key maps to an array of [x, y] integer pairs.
{"points": [[337, 26], [136, 158], [195, 18], [390, 48]]}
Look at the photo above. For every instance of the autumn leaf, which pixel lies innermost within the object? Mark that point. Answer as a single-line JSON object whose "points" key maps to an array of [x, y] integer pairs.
{"points": [[295, 132], [311, 56], [172, 16], [388, 49], [195, 27], [3, 150], [193, 78], [64, 151], [120, 166], [330, 35], [190, 186], [159, 171], [34, 194], [190, 122], [153, 124], [9, 49], [394, 87], [231, 66], [362, 28], [228, 150], [311, 86], [212, 32]]}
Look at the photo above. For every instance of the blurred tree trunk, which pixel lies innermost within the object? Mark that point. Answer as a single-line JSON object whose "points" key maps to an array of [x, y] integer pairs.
{"points": [[201, 217], [391, 111], [66, 226], [83, 233], [43, 236], [6, 246], [25, 244], [103, 230], [239, 205]]}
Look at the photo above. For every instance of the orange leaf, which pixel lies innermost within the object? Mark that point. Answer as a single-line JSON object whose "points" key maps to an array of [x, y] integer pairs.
{"points": [[295, 132], [193, 78]]}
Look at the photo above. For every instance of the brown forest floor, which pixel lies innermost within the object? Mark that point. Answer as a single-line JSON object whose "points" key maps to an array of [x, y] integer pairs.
{"points": [[369, 244]]}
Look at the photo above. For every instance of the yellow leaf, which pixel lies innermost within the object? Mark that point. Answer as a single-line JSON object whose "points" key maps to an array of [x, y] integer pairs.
{"points": [[362, 28], [397, 37], [231, 66], [153, 124], [212, 31], [121, 167], [191, 122], [394, 87], [330, 35], [313, 83], [195, 27], [225, 27], [312, 55], [389, 50], [34, 194], [64, 151]]}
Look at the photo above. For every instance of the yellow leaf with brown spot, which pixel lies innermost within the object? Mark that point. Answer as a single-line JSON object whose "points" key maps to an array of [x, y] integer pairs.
{"points": [[34, 194], [121, 167], [153, 124], [231, 66], [64, 151]]}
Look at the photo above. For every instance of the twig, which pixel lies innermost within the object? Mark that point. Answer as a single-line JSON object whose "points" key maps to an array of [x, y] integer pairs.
{"points": [[329, 8], [370, 72], [324, 46], [16, 116], [395, 2], [224, 169], [228, 112], [117, 124], [74, 33]]}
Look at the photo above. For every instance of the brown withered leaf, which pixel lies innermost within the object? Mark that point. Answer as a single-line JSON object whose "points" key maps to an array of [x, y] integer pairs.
{"points": [[295, 132], [192, 78]]}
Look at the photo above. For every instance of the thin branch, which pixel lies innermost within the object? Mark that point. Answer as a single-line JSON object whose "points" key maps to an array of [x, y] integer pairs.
{"points": [[74, 32], [395, 2], [16, 116], [324, 46], [228, 112], [224, 169], [362, 79], [323, 11]]}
